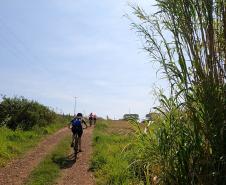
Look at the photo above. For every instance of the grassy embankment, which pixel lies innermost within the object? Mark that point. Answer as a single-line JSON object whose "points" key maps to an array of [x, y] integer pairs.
{"points": [[16, 143], [49, 169], [113, 152]]}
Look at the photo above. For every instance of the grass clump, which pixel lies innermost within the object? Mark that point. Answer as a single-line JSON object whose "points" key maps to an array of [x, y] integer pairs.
{"points": [[48, 170]]}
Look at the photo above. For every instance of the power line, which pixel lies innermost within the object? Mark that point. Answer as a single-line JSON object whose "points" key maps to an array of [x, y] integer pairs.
{"points": [[23, 52]]}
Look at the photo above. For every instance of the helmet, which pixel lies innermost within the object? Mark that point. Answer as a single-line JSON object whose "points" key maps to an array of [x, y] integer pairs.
{"points": [[79, 114]]}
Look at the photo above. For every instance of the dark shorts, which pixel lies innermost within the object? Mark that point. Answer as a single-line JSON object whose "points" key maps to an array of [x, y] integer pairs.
{"points": [[77, 130]]}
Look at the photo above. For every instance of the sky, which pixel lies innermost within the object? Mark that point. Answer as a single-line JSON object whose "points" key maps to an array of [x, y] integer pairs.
{"points": [[52, 51]]}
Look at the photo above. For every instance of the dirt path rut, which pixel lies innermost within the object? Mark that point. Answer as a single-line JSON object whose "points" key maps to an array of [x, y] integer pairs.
{"points": [[16, 172], [77, 173]]}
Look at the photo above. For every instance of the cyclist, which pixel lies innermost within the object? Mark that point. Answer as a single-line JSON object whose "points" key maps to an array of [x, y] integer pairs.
{"points": [[90, 119], [76, 128], [94, 118]]}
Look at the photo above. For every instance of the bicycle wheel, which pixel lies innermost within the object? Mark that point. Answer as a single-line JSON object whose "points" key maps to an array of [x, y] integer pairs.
{"points": [[76, 144]]}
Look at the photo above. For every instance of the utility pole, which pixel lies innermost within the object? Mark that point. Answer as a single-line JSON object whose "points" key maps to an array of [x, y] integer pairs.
{"points": [[75, 106]]}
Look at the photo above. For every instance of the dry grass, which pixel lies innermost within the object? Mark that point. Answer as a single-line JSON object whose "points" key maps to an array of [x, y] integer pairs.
{"points": [[120, 127]]}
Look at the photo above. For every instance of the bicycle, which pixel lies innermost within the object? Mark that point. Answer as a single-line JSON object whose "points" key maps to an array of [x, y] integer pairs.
{"points": [[90, 122], [75, 143], [90, 119]]}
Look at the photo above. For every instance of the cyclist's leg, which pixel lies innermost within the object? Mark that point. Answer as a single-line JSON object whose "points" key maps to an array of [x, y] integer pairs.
{"points": [[76, 143], [72, 139], [80, 139], [90, 122], [80, 144]]}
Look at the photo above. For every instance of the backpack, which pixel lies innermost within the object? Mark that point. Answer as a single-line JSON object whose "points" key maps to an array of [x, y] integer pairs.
{"points": [[76, 122]]}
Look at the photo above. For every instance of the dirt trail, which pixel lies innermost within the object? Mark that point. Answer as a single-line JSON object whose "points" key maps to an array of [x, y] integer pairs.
{"points": [[77, 171], [16, 172]]}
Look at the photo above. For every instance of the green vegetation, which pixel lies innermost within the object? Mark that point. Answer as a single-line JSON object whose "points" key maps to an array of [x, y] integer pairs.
{"points": [[20, 113], [22, 124], [15, 143], [186, 143], [112, 155], [49, 169]]}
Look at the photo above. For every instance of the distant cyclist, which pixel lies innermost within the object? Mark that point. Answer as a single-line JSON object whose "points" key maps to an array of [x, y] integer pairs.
{"points": [[90, 119], [94, 118], [76, 128]]}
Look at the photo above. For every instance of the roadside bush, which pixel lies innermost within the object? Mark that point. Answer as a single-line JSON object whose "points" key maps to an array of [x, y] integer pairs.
{"points": [[20, 113]]}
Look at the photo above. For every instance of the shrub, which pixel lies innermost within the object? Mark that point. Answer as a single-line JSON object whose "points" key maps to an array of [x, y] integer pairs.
{"points": [[24, 114]]}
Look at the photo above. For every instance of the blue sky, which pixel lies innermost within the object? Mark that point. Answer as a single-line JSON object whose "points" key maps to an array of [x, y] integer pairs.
{"points": [[54, 50]]}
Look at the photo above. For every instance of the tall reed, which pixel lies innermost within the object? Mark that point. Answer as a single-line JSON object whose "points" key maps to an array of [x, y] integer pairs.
{"points": [[188, 39]]}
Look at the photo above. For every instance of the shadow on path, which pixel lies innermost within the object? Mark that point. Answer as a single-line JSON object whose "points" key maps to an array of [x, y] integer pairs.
{"points": [[65, 161]]}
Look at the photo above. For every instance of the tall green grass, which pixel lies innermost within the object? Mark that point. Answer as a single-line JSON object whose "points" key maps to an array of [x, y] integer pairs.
{"points": [[188, 145]]}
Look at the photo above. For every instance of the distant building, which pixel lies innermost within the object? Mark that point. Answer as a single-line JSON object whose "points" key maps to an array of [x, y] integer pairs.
{"points": [[151, 116], [131, 116]]}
